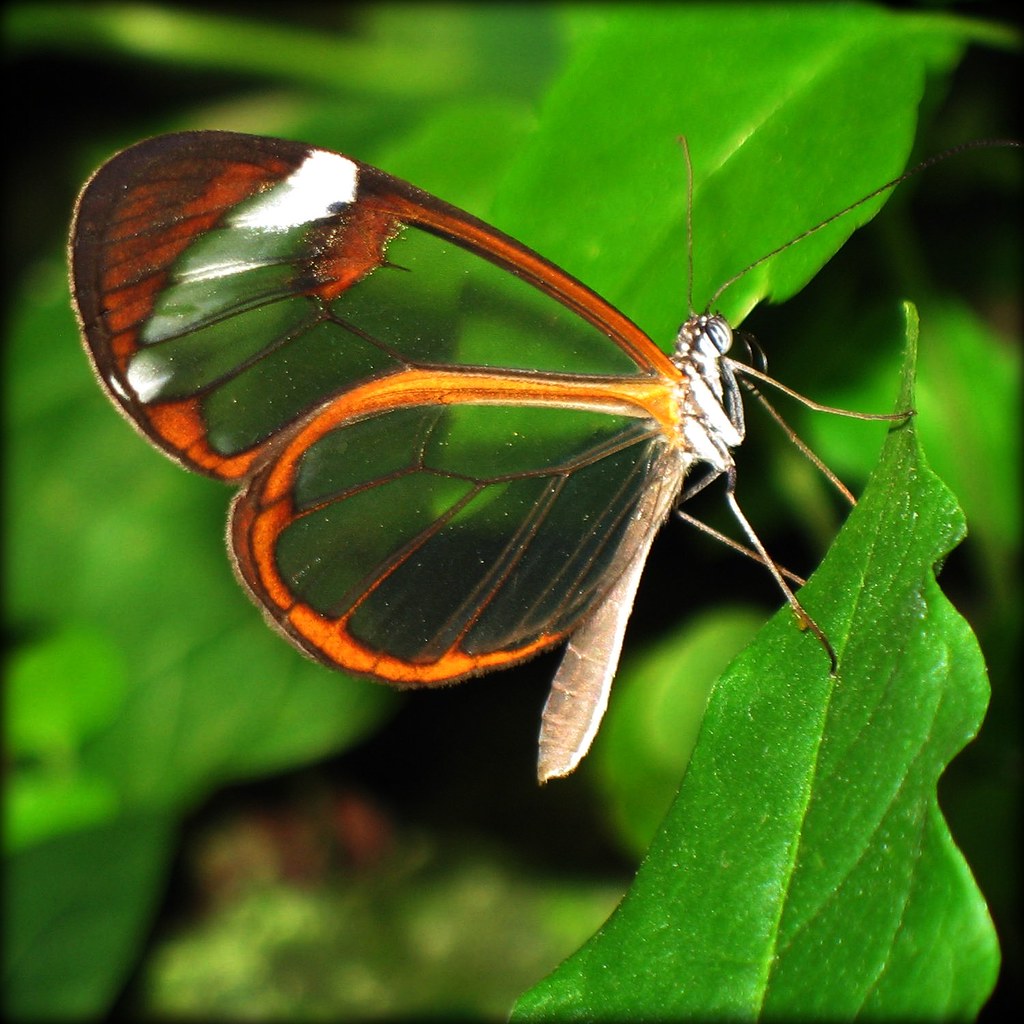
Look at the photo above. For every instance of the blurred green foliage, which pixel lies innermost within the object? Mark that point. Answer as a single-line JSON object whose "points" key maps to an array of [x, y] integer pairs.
{"points": [[142, 680]]}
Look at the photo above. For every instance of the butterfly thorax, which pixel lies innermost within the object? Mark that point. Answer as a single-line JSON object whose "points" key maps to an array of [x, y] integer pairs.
{"points": [[711, 413]]}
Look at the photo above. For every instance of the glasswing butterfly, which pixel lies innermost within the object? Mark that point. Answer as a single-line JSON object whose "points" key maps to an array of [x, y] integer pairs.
{"points": [[452, 455]]}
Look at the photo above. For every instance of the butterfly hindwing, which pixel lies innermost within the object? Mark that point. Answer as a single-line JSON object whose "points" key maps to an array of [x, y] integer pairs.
{"points": [[428, 542]]}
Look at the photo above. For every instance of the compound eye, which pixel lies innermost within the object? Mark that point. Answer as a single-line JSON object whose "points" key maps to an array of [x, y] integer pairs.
{"points": [[718, 330]]}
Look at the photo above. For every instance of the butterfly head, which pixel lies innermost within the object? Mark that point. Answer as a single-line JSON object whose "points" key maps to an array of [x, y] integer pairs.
{"points": [[703, 339]]}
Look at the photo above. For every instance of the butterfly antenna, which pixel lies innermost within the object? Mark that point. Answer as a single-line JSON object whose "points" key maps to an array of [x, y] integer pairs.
{"points": [[923, 165], [689, 224]]}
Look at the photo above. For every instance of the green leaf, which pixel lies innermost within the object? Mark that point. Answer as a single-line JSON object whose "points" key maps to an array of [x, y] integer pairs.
{"points": [[60, 693], [783, 127], [977, 428], [71, 930], [243, 45], [805, 868]]}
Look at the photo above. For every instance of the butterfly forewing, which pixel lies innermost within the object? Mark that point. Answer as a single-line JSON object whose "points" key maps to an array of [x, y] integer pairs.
{"points": [[228, 286]]}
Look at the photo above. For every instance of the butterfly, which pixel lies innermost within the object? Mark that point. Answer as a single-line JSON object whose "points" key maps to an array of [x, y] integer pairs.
{"points": [[451, 454]]}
